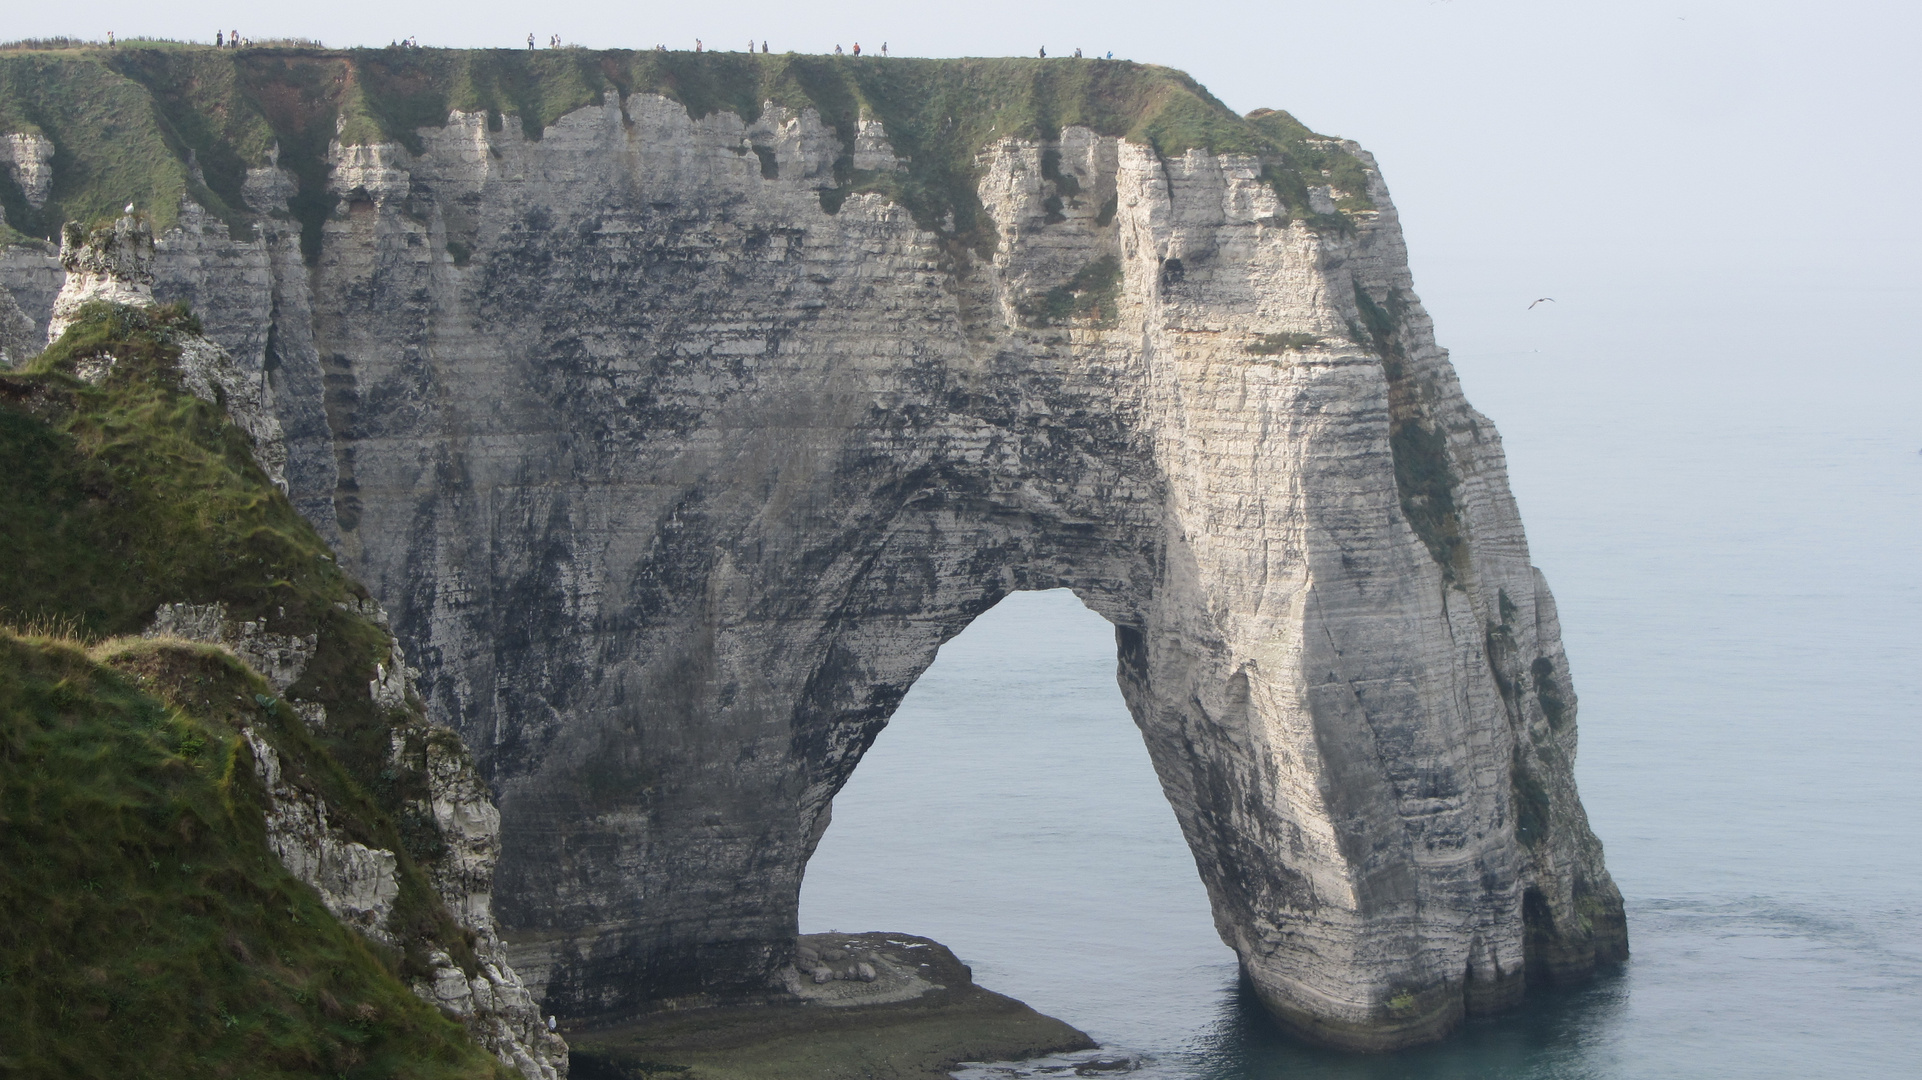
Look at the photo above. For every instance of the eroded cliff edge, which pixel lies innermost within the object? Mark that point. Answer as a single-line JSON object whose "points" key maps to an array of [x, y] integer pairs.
{"points": [[679, 428]]}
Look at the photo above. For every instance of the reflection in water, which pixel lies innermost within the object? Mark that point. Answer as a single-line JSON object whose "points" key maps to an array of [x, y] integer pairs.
{"points": [[1559, 1035]]}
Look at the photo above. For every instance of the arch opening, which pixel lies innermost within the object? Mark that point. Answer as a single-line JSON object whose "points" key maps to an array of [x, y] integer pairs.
{"points": [[1010, 810]]}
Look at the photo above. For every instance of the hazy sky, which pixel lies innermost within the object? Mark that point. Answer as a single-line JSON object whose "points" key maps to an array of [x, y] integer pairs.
{"points": [[1711, 191]]}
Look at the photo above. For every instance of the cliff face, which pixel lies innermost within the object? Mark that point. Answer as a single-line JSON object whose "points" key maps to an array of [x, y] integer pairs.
{"points": [[678, 441]]}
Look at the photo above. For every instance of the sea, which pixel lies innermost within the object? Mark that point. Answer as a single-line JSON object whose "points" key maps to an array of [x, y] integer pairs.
{"points": [[1730, 514]]}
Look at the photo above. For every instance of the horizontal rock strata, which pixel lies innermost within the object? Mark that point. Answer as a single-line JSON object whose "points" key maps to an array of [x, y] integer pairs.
{"points": [[678, 445]]}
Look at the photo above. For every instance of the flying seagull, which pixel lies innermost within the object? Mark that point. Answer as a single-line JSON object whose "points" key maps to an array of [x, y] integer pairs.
{"points": [[1543, 300]]}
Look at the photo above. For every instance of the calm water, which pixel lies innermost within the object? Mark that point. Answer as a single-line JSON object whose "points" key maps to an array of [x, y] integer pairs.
{"points": [[1735, 551]]}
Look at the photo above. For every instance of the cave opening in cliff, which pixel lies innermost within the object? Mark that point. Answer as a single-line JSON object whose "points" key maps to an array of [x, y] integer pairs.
{"points": [[1009, 810]]}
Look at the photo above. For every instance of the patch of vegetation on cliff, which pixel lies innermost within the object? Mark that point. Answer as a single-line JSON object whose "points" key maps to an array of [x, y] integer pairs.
{"points": [[1532, 806], [1090, 296], [133, 493], [1548, 691], [1426, 486], [1424, 475], [109, 147], [129, 493], [205, 116], [1276, 344], [145, 928], [125, 119], [1312, 160]]}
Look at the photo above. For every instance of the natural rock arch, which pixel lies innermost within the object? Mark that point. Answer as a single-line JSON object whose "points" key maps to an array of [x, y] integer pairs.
{"points": [[677, 471]]}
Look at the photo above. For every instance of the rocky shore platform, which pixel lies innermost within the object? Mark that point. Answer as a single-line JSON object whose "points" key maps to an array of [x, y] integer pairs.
{"points": [[873, 1006]]}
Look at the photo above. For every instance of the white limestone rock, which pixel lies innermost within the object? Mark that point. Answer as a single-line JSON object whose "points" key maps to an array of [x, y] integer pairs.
{"points": [[279, 658], [359, 884], [356, 883], [28, 158], [113, 263]]}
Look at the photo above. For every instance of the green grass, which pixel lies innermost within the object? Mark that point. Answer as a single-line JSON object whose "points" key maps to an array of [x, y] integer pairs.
{"points": [[109, 146], [132, 493], [145, 929], [125, 119], [1311, 160]]}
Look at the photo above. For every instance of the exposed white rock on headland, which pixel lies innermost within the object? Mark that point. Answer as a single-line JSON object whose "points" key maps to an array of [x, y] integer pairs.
{"points": [[675, 482], [358, 884], [28, 158]]}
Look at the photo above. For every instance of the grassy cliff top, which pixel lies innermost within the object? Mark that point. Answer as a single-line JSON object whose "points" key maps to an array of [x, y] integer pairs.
{"points": [[154, 122]]}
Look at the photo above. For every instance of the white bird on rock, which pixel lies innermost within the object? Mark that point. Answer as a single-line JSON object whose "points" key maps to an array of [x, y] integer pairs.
{"points": [[129, 208]]}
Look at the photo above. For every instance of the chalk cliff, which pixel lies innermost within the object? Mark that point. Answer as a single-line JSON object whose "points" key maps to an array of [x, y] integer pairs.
{"points": [[679, 428]]}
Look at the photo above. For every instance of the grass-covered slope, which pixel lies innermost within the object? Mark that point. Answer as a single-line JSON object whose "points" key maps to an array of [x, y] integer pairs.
{"points": [[145, 927], [125, 121]]}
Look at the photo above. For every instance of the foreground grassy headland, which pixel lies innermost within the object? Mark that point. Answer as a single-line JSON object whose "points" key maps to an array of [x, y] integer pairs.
{"points": [[146, 927], [154, 123]]}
